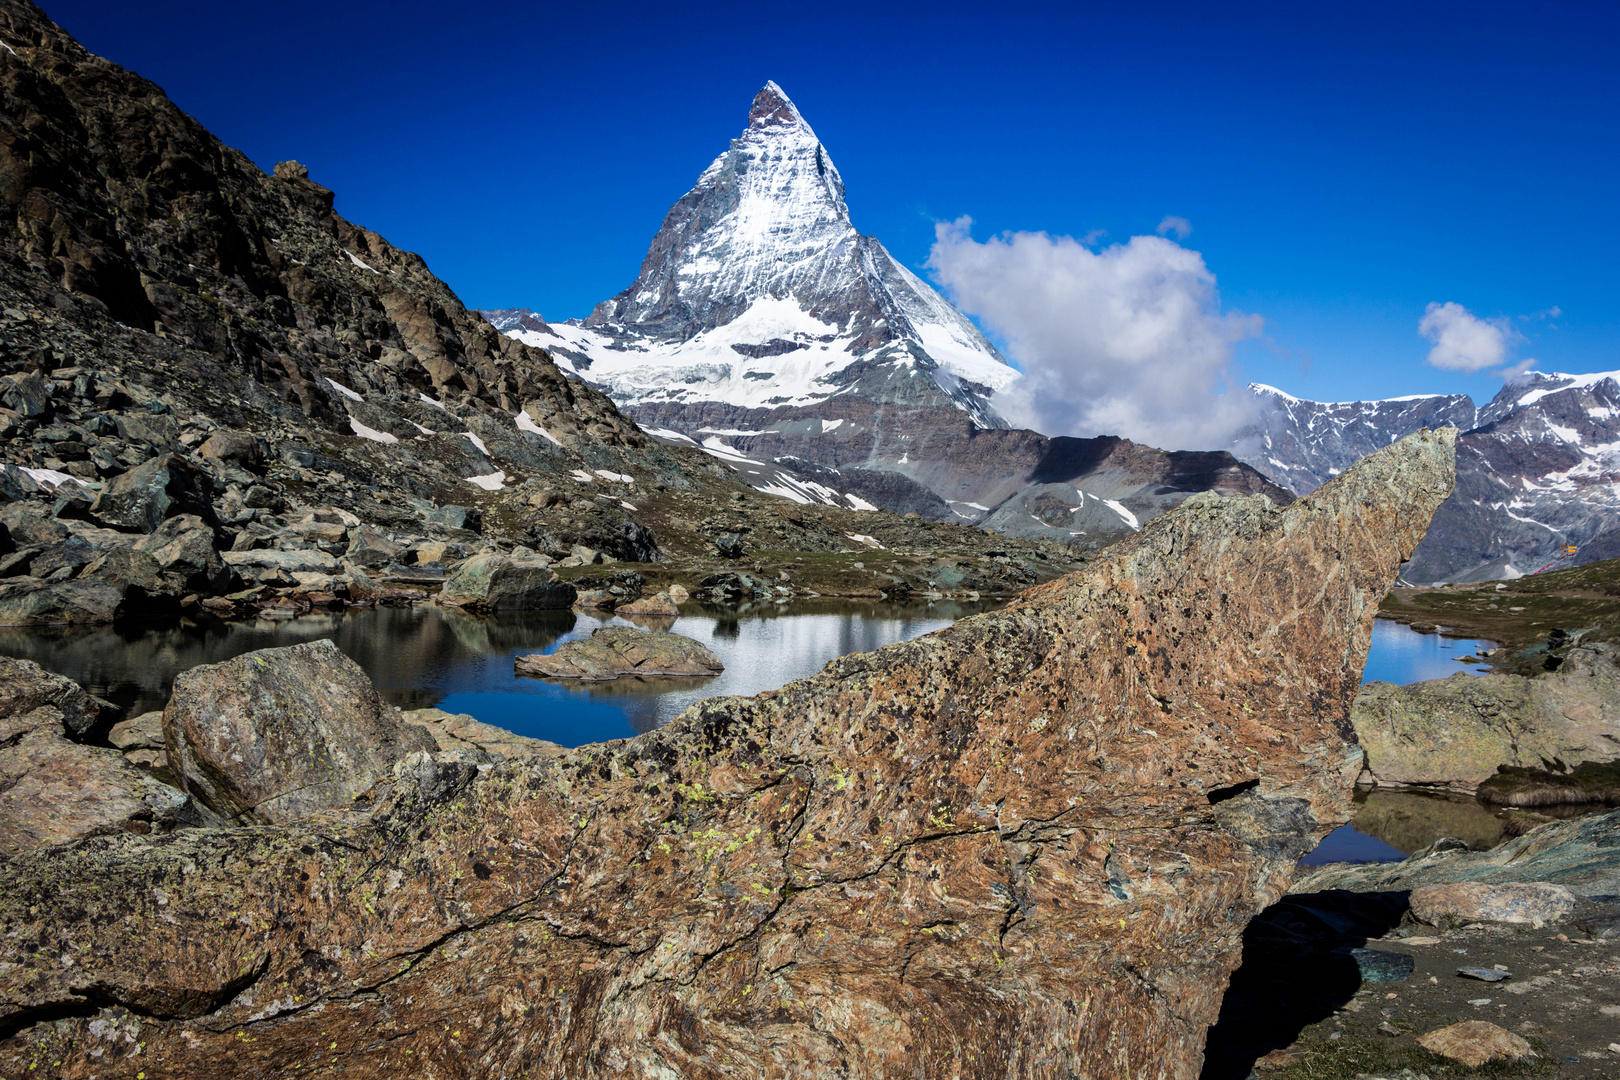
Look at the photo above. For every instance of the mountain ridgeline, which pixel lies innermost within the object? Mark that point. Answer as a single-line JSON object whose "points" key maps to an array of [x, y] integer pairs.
{"points": [[1538, 468], [766, 329]]}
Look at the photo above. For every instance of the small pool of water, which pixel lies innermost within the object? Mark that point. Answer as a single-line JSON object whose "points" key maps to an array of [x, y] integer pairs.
{"points": [[429, 656], [1401, 655]]}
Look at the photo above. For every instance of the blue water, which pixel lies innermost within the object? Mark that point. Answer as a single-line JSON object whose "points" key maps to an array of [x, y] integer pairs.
{"points": [[1401, 655], [1398, 655], [761, 651]]}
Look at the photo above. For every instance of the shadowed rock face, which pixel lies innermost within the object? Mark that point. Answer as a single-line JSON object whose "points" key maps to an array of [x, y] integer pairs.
{"points": [[1025, 845]]}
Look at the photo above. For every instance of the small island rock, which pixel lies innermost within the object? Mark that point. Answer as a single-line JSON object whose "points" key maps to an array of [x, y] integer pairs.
{"points": [[614, 652]]}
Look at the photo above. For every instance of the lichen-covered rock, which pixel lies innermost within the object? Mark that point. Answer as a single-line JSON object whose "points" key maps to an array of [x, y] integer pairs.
{"points": [[25, 686], [1534, 903], [278, 734], [617, 652], [53, 791], [498, 583], [1022, 846], [1454, 733], [460, 732]]}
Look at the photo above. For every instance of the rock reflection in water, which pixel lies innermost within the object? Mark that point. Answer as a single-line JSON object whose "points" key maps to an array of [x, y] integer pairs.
{"points": [[409, 653], [429, 656], [1411, 821]]}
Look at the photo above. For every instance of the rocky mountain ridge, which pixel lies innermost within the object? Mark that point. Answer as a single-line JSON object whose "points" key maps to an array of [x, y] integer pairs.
{"points": [[765, 330], [212, 385], [1538, 467]]}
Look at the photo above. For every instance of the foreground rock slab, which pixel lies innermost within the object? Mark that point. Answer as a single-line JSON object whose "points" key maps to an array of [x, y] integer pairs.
{"points": [[617, 652], [1475, 1042], [1022, 846], [278, 734], [1531, 903]]}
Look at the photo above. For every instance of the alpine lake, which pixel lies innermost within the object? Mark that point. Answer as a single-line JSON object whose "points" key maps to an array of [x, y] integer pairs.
{"points": [[431, 657]]}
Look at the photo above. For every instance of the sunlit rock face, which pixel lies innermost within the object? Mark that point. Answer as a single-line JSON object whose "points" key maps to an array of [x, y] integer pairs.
{"points": [[1026, 845]]}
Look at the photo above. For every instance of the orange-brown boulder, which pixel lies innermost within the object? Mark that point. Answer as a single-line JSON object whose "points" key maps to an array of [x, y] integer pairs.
{"points": [[1022, 846]]}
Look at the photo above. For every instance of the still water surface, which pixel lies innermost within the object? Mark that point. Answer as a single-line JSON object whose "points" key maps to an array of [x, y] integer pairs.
{"points": [[428, 656]]}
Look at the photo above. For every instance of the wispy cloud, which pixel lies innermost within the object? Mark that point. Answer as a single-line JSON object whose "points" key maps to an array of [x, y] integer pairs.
{"points": [[1127, 340], [1463, 341], [1172, 224]]}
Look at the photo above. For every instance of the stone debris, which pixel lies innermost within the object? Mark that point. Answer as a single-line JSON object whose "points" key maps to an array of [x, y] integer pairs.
{"points": [[1484, 974], [1475, 1042]]}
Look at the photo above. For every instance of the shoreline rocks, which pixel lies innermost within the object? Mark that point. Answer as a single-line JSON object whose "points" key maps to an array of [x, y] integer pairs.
{"points": [[1023, 844], [618, 652], [1455, 733], [276, 735]]}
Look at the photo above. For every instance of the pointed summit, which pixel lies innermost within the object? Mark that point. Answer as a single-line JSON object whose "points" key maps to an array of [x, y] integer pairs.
{"points": [[773, 108]]}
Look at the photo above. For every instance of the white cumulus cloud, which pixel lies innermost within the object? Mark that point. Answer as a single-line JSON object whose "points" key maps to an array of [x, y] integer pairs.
{"points": [[1462, 340], [1126, 340]]}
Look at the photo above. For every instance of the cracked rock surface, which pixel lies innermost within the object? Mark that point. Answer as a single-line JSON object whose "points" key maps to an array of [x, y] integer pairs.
{"points": [[1026, 845]]}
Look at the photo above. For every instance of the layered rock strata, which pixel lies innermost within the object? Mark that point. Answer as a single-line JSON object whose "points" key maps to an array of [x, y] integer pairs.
{"points": [[1025, 845]]}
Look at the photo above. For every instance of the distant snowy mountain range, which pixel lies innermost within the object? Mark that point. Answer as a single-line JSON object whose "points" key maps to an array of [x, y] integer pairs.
{"points": [[765, 329], [1538, 468]]}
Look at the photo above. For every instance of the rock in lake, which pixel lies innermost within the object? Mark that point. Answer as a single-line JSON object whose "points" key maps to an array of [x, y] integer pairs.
{"points": [[498, 583], [1454, 733], [1022, 846], [617, 652], [657, 606], [278, 734]]}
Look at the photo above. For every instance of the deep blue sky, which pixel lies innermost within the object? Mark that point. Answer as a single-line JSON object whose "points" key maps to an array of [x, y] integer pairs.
{"points": [[1342, 165]]}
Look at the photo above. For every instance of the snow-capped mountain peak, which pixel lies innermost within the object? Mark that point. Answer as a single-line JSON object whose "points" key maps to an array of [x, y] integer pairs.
{"points": [[758, 293]]}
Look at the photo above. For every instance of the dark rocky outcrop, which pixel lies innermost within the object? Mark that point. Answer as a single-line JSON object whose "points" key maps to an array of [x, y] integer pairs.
{"points": [[278, 734], [1021, 846], [618, 652], [497, 583]]}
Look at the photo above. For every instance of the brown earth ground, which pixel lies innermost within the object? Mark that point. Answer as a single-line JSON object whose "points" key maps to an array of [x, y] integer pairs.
{"points": [[1316, 1024]]}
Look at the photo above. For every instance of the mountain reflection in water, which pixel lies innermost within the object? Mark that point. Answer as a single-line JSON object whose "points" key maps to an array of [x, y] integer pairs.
{"points": [[430, 656]]}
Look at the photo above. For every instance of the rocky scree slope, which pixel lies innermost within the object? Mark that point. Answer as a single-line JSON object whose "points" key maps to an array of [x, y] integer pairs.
{"points": [[1538, 467], [766, 330], [1028, 842], [213, 384]]}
